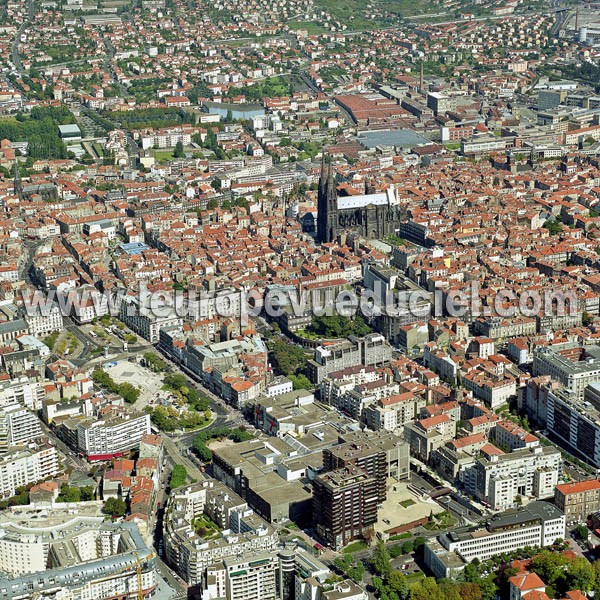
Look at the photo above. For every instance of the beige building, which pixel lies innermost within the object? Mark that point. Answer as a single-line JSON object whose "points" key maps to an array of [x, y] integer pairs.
{"points": [[578, 500]]}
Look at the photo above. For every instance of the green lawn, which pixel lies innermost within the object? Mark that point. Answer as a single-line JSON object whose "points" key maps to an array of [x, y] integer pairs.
{"points": [[355, 547], [163, 155], [312, 28], [356, 16], [406, 503], [206, 528]]}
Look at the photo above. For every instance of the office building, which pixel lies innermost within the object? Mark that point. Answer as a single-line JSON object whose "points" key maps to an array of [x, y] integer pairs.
{"points": [[538, 524], [344, 505], [380, 454], [272, 475]]}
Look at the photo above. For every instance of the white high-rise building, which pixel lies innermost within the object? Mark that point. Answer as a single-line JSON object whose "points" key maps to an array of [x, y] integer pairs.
{"points": [[18, 426], [23, 466]]}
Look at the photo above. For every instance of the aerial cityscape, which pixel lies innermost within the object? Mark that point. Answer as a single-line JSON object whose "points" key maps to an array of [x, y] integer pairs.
{"points": [[299, 300]]}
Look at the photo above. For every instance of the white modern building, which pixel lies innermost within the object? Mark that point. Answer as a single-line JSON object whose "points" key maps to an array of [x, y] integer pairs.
{"points": [[21, 466], [241, 533], [500, 480], [538, 524], [18, 426], [72, 552]]}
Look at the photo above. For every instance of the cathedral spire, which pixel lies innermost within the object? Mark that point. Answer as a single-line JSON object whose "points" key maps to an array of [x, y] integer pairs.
{"points": [[322, 176], [331, 187]]}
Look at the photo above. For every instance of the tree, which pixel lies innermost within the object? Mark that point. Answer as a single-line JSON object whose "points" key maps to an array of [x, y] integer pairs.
{"points": [[179, 152], [87, 493], [580, 575], [288, 358], [69, 494], [381, 560], [202, 450], [129, 392], [582, 532], [407, 547], [470, 591], [471, 573], [553, 226], [488, 589], [397, 583], [216, 184], [549, 566], [356, 572], [301, 382], [115, 507]]}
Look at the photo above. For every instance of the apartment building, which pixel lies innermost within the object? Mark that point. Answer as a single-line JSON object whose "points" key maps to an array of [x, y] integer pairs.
{"points": [[22, 391], [494, 390], [21, 466], [573, 366], [345, 590], [339, 382], [538, 524], [427, 435], [372, 349], [103, 439], [578, 500], [500, 480], [243, 578], [241, 531], [41, 324], [73, 553], [344, 505], [576, 420], [147, 321], [394, 412], [453, 458], [356, 401], [18, 426], [511, 436]]}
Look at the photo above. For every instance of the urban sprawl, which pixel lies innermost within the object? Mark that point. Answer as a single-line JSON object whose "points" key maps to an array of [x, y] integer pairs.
{"points": [[299, 300]]}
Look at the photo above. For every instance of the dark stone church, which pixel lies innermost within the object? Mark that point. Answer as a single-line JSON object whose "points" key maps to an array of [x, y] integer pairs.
{"points": [[371, 215]]}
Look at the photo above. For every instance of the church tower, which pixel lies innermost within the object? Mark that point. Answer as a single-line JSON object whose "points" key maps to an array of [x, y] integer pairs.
{"points": [[17, 183], [327, 204]]}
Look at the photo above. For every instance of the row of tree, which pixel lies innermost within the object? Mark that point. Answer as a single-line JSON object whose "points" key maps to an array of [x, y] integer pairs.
{"points": [[126, 390]]}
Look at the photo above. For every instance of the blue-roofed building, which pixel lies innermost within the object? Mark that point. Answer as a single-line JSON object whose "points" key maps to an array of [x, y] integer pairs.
{"points": [[133, 248]]}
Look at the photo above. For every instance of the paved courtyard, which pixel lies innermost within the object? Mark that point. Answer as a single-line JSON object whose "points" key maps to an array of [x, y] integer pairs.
{"points": [[149, 383], [403, 506]]}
